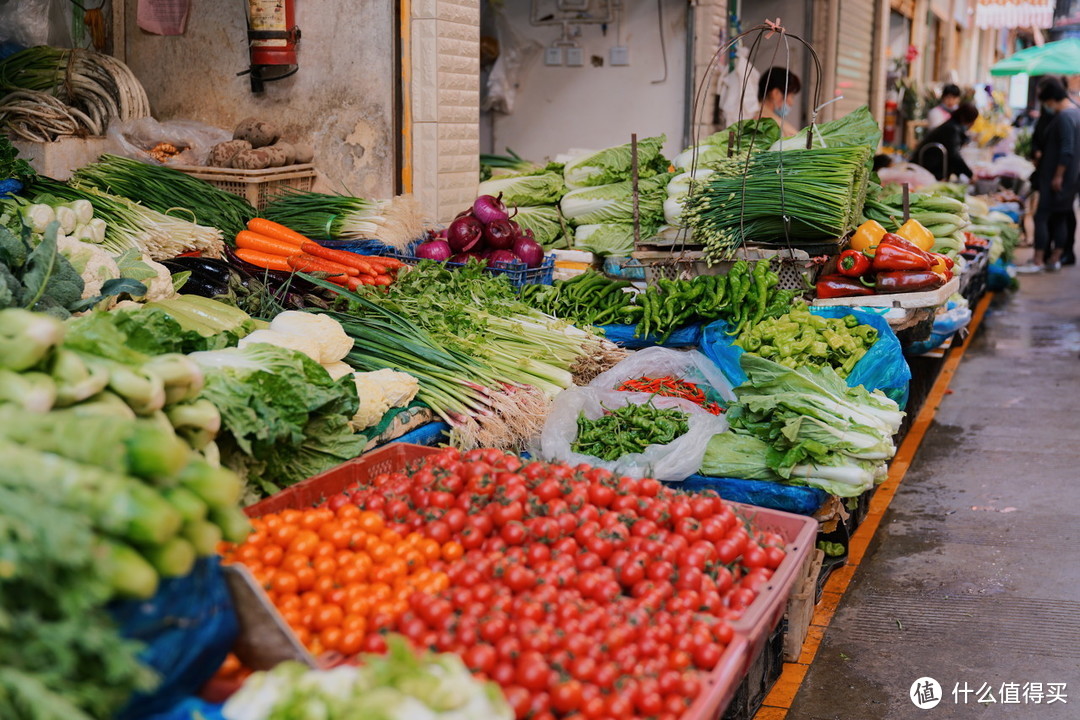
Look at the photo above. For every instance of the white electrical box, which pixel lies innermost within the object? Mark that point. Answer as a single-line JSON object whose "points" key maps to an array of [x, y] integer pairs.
{"points": [[620, 55], [575, 57], [553, 56]]}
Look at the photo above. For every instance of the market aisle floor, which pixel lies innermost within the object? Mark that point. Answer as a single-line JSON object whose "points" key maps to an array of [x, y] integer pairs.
{"points": [[973, 575]]}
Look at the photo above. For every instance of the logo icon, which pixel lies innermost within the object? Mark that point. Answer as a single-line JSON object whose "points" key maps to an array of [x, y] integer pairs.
{"points": [[925, 693]]}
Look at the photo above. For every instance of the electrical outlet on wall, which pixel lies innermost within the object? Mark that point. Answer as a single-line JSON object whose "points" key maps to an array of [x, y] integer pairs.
{"points": [[553, 56], [575, 57], [620, 55]]}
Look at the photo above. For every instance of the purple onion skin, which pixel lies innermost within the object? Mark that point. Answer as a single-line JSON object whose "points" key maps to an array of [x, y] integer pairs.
{"points": [[438, 250], [488, 209], [464, 234], [499, 235], [502, 256], [529, 252]]}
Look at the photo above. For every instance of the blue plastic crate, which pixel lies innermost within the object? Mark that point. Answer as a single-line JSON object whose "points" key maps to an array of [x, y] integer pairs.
{"points": [[517, 273]]}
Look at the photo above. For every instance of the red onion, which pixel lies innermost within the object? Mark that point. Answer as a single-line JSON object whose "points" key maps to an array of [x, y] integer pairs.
{"points": [[499, 235], [464, 233], [502, 256], [434, 250], [488, 209], [529, 251], [464, 257]]}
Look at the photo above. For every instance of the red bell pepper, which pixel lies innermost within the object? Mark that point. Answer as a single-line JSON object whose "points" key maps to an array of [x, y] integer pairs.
{"points": [[949, 262], [891, 256], [837, 286], [894, 239], [853, 263], [910, 281]]}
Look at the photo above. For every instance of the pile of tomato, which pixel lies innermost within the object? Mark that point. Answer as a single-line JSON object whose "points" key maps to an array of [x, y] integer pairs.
{"points": [[583, 594]]}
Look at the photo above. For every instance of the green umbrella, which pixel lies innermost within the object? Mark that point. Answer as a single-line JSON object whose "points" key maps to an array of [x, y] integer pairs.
{"points": [[1056, 58]]}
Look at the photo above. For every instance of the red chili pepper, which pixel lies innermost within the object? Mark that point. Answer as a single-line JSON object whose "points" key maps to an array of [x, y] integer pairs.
{"points": [[853, 263], [837, 286], [894, 239], [912, 281], [889, 257]]}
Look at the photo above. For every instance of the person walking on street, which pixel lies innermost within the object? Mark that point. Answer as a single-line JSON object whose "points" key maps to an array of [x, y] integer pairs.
{"points": [[1057, 179], [951, 135], [940, 113]]}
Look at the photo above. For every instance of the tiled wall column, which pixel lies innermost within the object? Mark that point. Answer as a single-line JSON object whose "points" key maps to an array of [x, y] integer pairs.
{"points": [[445, 93]]}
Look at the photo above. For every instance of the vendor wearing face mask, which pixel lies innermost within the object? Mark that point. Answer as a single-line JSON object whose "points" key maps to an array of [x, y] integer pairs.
{"points": [[776, 89], [940, 113]]}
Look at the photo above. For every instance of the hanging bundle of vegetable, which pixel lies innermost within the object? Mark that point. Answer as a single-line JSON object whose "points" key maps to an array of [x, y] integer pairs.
{"points": [[167, 191], [90, 88], [130, 225], [808, 195], [320, 216]]}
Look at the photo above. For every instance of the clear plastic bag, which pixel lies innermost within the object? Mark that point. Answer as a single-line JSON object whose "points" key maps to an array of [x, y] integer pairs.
{"points": [[27, 23], [690, 366], [136, 138], [516, 53], [673, 462]]}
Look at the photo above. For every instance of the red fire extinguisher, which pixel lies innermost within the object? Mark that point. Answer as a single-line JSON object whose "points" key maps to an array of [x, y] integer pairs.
{"points": [[272, 39]]}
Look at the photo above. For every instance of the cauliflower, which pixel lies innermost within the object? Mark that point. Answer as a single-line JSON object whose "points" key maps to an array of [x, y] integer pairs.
{"points": [[379, 391], [159, 287], [91, 262], [292, 342], [334, 344]]}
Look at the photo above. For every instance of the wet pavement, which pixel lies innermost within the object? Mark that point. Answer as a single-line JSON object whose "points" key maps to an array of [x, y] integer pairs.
{"points": [[973, 577]]}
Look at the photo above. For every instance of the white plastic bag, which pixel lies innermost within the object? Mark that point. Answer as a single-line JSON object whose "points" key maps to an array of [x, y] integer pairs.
{"points": [[516, 54], [673, 462], [690, 366], [135, 138], [35, 22]]}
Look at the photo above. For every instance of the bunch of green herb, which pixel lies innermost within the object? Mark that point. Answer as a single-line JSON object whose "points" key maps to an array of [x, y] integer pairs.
{"points": [[12, 166]]}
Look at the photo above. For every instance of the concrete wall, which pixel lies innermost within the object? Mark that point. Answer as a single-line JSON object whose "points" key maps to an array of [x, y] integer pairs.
{"points": [[341, 100], [559, 108]]}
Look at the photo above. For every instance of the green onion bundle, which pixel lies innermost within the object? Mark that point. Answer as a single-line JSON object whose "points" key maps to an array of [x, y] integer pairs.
{"points": [[820, 192], [321, 216], [129, 225], [167, 191]]}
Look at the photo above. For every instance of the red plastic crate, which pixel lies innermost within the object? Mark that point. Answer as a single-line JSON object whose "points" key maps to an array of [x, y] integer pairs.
{"points": [[720, 686], [767, 610], [313, 491]]}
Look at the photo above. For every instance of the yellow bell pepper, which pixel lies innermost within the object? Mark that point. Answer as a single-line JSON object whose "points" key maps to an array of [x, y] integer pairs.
{"points": [[914, 232], [867, 235]]}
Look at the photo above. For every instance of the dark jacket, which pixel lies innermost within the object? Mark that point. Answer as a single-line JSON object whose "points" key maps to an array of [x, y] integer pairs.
{"points": [[953, 137], [1062, 147]]}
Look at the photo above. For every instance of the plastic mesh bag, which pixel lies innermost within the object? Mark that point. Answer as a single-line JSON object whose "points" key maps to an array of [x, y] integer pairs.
{"points": [[672, 462], [690, 366]]}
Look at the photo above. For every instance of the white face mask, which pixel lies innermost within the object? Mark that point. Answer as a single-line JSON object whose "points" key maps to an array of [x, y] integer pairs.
{"points": [[783, 110], [951, 107]]}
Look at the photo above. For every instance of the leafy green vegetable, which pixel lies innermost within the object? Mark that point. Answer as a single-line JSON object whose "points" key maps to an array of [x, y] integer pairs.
{"points": [[614, 203], [283, 417], [751, 136], [817, 431], [615, 164], [41, 279], [609, 238], [12, 166], [735, 455], [525, 189], [400, 685], [546, 223], [856, 129]]}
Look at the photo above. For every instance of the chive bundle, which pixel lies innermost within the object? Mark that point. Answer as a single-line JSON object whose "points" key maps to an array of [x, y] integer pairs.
{"points": [[167, 191], [820, 192]]}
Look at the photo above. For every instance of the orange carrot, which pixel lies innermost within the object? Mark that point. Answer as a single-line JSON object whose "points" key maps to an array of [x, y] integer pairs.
{"points": [[271, 246], [271, 229], [339, 256], [390, 262], [383, 280], [381, 263], [263, 260], [309, 263], [359, 281]]}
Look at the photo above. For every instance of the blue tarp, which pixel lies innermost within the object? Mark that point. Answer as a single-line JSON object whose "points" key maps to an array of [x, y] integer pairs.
{"points": [[762, 493], [431, 434], [188, 628], [191, 709], [623, 335], [883, 367]]}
